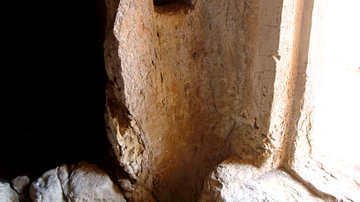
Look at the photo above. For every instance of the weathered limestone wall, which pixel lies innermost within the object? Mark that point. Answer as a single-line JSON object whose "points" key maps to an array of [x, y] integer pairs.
{"points": [[193, 83], [322, 141], [313, 114], [189, 84]]}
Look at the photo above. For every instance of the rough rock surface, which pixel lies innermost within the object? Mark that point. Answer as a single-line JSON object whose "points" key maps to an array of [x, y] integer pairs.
{"points": [[80, 182], [187, 86], [196, 81], [20, 183], [7, 194], [234, 181]]}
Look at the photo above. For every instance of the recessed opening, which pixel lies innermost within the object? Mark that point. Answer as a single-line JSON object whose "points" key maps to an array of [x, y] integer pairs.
{"points": [[165, 2], [172, 6]]}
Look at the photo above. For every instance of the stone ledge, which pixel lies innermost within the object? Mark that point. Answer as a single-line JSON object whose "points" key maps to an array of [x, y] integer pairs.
{"points": [[234, 181]]}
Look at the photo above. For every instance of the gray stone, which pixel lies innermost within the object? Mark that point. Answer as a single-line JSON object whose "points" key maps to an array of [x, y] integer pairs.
{"points": [[47, 187], [81, 182], [20, 183], [7, 194], [87, 182]]}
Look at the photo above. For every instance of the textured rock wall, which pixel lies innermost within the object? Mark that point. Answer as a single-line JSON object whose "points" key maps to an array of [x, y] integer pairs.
{"points": [[322, 134], [188, 84], [313, 113], [194, 82]]}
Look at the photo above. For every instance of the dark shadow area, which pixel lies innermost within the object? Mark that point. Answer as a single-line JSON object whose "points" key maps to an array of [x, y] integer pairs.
{"points": [[170, 7], [165, 2], [53, 86]]}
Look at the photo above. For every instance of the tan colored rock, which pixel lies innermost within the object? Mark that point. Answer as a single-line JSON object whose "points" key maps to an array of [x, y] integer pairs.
{"points": [[196, 81], [181, 88]]}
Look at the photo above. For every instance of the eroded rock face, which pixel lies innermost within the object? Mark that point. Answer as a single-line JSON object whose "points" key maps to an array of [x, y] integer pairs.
{"points": [[196, 81], [80, 182], [184, 91]]}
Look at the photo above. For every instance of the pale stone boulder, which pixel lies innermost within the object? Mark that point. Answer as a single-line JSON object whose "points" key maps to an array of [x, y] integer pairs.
{"points": [[7, 194], [81, 182], [234, 181], [49, 186], [89, 183], [20, 183]]}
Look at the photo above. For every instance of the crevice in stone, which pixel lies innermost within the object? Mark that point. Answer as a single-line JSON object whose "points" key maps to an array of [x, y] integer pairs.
{"points": [[62, 183]]}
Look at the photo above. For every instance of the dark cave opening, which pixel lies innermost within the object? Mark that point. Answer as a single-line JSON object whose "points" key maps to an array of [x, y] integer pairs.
{"points": [[55, 90]]}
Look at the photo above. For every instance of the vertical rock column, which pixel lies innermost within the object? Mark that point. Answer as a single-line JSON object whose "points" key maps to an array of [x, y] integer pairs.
{"points": [[183, 92]]}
